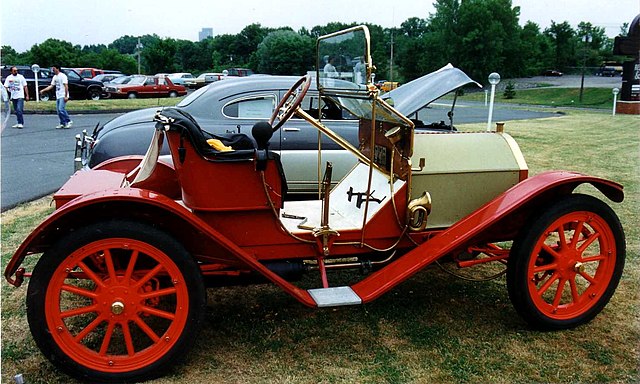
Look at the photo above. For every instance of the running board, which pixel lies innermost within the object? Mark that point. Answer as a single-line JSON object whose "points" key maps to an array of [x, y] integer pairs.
{"points": [[334, 297]]}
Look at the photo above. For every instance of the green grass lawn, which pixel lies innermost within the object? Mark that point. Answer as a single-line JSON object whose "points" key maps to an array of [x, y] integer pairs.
{"points": [[103, 104], [559, 97], [432, 328]]}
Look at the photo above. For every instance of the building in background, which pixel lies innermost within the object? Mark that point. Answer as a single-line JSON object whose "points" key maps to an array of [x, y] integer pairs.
{"points": [[205, 33]]}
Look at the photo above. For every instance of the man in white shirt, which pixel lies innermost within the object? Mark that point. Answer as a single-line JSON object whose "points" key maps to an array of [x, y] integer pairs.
{"points": [[16, 84], [61, 83]]}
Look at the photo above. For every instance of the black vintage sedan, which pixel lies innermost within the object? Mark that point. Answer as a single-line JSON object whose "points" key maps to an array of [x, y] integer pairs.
{"points": [[235, 104]]}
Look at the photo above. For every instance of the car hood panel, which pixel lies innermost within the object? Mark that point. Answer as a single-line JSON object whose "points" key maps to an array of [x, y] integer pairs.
{"points": [[416, 94]]}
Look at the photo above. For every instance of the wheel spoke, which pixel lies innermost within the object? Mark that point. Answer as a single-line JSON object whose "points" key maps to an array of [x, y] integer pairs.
{"points": [[562, 236], [107, 338], [92, 275], [128, 340], [558, 295], [159, 313], [148, 276], [576, 234], [544, 268], [146, 329], [593, 259], [574, 290], [110, 268], [550, 250], [131, 265], [548, 283], [97, 321], [588, 278], [158, 293], [589, 240], [79, 291], [79, 311]]}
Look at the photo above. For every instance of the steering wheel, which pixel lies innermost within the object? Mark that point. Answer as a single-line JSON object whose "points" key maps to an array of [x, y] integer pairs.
{"points": [[290, 102]]}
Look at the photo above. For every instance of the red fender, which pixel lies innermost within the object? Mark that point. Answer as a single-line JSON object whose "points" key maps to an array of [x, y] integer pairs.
{"points": [[462, 232], [36, 241]]}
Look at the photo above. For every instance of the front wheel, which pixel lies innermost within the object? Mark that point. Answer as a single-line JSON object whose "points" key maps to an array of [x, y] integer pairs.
{"points": [[567, 264], [173, 94], [116, 301]]}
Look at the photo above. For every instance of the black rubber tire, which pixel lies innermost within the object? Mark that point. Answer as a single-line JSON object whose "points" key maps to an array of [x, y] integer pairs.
{"points": [[45, 97], [132, 95], [173, 94], [94, 94], [522, 251], [51, 260]]}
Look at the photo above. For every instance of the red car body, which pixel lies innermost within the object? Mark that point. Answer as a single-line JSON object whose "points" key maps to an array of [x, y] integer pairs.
{"points": [[146, 86]]}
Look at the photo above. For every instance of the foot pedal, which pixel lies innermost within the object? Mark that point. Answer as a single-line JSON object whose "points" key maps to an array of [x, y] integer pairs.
{"points": [[334, 297]]}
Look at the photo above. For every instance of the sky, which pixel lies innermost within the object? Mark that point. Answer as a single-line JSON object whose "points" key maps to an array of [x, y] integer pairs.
{"points": [[84, 22]]}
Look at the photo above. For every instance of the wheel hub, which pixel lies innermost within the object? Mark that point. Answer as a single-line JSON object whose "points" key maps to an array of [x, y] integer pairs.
{"points": [[117, 307]]}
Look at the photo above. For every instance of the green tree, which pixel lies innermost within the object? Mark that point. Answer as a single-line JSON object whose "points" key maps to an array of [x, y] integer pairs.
{"points": [[563, 44], [11, 57], [284, 52], [53, 51], [160, 56]]}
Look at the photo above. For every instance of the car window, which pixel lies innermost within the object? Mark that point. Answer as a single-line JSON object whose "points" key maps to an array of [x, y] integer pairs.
{"points": [[260, 107], [85, 73], [150, 81], [312, 103], [72, 75]]}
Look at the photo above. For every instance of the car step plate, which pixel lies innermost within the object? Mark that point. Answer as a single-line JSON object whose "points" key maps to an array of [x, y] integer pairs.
{"points": [[335, 297]]}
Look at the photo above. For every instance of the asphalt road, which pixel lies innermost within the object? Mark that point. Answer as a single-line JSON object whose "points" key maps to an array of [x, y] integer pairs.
{"points": [[38, 159]]}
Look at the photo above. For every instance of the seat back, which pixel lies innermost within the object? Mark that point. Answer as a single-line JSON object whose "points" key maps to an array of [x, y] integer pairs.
{"points": [[214, 180]]}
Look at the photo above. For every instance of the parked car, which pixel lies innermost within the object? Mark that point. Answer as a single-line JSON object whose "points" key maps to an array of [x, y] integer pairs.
{"points": [[90, 73], [609, 71], [237, 103], [146, 86], [44, 78], [240, 72], [182, 78], [106, 77], [207, 78], [552, 72], [79, 88]]}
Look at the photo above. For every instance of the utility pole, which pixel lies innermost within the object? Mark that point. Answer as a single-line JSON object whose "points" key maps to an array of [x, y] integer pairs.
{"points": [[584, 64]]}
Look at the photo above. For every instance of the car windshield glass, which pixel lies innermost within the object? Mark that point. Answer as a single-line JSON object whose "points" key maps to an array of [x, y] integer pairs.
{"points": [[343, 72], [138, 80]]}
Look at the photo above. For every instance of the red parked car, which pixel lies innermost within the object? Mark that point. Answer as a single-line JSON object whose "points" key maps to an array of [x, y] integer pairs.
{"points": [[146, 86]]}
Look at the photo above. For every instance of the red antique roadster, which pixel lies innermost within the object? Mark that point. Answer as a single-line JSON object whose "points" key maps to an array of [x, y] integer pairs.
{"points": [[119, 291]]}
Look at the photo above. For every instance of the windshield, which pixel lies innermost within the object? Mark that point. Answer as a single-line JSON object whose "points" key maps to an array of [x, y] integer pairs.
{"points": [[344, 74], [137, 80]]}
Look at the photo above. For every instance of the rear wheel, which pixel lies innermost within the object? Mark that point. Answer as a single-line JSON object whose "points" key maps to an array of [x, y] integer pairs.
{"points": [[566, 266], [132, 95], [115, 301], [94, 94], [45, 96]]}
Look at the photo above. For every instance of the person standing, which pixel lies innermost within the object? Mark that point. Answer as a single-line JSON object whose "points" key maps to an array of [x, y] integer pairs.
{"points": [[16, 84], [61, 83], [6, 109]]}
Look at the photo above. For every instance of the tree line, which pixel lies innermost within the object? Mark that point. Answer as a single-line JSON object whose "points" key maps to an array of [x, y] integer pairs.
{"points": [[478, 36]]}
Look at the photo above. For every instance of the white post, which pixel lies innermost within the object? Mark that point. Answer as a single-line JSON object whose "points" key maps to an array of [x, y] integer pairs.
{"points": [[615, 100], [494, 79], [486, 97], [36, 68]]}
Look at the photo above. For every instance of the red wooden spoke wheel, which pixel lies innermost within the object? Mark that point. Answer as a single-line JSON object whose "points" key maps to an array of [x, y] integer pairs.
{"points": [[121, 304], [565, 268]]}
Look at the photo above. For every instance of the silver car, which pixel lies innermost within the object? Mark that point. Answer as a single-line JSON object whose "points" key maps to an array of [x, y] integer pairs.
{"points": [[237, 103]]}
